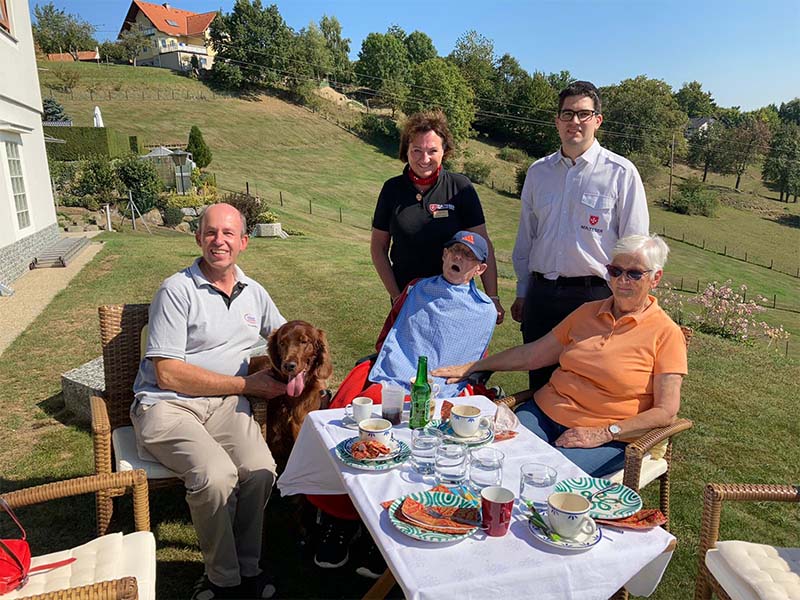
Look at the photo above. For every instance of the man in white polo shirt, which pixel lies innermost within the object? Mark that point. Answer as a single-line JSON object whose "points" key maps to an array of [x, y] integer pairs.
{"points": [[190, 410], [576, 204]]}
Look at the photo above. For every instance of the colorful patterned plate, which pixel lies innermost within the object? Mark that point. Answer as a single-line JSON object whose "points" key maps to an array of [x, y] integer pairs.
{"points": [[430, 499], [485, 436], [618, 502], [582, 542], [348, 447], [343, 455]]}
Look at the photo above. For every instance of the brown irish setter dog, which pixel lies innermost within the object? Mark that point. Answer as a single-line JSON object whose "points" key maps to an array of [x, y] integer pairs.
{"points": [[298, 355]]}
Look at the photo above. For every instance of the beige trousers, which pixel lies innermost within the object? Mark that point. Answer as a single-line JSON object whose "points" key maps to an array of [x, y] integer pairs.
{"points": [[217, 450]]}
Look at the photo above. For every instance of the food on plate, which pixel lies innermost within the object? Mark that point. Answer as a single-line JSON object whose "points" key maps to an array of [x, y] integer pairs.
{"points": [[419, 514], [644, 519], [367, 449], [447, 406]]}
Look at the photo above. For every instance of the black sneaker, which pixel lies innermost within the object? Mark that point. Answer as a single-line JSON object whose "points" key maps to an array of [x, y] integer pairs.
{"points": [[258, 586], [335, 537], [372, 564]]}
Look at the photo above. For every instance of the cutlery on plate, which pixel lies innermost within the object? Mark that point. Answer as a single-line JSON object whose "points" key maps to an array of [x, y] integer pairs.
{"points": [[591, 496]]}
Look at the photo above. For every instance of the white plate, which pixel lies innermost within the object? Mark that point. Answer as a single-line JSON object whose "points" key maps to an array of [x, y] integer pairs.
{"points": [[381, 465], [581, 543], [348, 447]]}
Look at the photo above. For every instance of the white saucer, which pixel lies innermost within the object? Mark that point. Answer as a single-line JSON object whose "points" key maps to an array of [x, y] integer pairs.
{"points": [[582, 542]]}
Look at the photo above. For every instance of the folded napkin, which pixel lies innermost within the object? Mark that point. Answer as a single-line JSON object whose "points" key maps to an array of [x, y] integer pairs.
{"points": [[648, 518], [420, 517], [505, 423]]}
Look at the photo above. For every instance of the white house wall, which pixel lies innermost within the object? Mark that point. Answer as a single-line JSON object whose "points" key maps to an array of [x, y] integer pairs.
{"points": [[21, 123]]}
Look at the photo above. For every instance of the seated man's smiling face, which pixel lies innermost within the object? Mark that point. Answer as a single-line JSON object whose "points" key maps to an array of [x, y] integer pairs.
{"points": [[460, 264]]}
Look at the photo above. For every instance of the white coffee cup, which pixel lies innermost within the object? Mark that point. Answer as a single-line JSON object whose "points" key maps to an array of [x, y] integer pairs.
{"points": [[376, 429], [359, 409], [466, 420], [568, 514]]}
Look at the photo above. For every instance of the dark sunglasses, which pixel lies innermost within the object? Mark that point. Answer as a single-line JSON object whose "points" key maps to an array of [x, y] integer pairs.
{"points": [[632, 274]]}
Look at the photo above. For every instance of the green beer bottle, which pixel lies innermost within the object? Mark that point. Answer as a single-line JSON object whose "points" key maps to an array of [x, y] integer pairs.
{"points": [[420, 396]]}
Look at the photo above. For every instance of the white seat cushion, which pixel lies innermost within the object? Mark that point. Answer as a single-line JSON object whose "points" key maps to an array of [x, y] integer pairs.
{"points": [[652, 469], [106, 558], [127, 455], [749, 571]]}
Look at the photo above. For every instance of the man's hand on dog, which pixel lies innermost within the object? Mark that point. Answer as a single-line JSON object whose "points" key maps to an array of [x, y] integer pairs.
{"points": [[261, 384]]}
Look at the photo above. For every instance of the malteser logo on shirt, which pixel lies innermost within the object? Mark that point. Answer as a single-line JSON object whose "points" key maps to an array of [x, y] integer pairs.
{"points": [[251, 320], [436, 207], [593, 219]]}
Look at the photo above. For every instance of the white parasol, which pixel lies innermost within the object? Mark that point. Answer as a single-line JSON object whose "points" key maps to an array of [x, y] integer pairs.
{"points": [[98, 118]]}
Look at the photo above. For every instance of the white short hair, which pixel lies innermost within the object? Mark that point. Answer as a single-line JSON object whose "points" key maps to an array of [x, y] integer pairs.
{"points": [[653, 249]]}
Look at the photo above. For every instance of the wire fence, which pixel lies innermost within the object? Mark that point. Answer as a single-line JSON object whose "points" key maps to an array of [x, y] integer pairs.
{"points": [[142, 94], [730, 251]]}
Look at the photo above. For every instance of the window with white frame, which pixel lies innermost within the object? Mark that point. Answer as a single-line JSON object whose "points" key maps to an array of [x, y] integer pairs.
{"points": [[18, 185]]}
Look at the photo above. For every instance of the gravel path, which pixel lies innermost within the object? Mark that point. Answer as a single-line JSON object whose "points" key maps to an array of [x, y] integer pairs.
{"points": [[34, 291]]}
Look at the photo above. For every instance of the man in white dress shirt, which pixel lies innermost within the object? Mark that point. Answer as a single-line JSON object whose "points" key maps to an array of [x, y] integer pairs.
{"points": [[576, 204]]}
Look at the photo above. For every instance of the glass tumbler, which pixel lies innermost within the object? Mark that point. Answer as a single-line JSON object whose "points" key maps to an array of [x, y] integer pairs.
{"points": [[485, 468], [535, 482], [450, 464], [424, 443]]}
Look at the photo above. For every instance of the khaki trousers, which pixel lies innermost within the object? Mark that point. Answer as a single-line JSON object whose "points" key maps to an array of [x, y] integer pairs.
{"points": [[217, 450]]}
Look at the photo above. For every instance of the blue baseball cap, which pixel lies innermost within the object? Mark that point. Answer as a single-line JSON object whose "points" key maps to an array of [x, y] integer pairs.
{"points": [[473, 241]]}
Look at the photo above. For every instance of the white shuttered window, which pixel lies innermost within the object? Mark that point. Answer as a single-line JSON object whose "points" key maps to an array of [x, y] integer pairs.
{"points": [[18, 185]]}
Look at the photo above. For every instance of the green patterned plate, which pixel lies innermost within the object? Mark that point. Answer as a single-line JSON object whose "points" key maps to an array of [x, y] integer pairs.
{"points": [[486, 436], [343, 454], [617, 503], [430, 499]]}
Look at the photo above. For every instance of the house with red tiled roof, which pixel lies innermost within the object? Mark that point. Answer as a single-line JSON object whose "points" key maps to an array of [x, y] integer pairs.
{"points": [[177, 35]]}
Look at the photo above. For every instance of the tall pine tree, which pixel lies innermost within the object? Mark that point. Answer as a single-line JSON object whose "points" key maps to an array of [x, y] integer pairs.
{"points": [[201, 154]]}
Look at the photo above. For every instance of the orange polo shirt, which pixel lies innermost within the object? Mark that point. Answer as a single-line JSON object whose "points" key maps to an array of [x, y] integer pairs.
{"points": [[606, 369]]}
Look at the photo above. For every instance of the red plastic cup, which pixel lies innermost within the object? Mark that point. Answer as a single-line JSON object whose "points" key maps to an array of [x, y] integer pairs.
{"points": [[496, 504]]}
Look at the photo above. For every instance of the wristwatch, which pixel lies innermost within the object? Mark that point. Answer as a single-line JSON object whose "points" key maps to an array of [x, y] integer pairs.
{"points": [[614, 430]]}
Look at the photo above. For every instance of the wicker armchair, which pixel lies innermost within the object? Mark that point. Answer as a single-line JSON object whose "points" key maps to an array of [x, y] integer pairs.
{"points": [[735, 569], [121, 327], [125, 563], [647, 458]]}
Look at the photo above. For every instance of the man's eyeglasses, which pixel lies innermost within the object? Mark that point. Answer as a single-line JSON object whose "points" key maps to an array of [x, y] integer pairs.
{"points": [[583, 115], [461, 251], [632, 274]]}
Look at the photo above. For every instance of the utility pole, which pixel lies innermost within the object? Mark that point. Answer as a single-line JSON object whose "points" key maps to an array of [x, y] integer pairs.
{"points": [[671, 168]]}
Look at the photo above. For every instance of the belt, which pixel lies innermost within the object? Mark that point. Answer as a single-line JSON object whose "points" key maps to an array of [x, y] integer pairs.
{"points": [[583, 281]]}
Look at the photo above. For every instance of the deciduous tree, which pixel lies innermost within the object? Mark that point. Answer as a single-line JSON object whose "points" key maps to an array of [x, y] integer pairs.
{"points": [[446, 89], [58, 31], [420, 47], [383, 56], [789, 112], [745, 143], [694, 101], [474, 56], [133, 42], [782, 163], [339, 48]]}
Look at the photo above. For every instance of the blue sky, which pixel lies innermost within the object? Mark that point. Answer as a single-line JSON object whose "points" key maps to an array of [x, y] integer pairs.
{"points": [[742, 51]]}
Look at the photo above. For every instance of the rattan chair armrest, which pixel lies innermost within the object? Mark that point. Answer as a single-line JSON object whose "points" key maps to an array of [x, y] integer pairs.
{"points": [[514, 401], [717, 493], [117, 589], [258, 406], [644, 443], [136, 480], [100, 423]]}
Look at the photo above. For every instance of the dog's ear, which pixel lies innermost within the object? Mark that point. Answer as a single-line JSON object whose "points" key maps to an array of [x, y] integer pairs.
{"points": [[274, 349], [322, 365]]}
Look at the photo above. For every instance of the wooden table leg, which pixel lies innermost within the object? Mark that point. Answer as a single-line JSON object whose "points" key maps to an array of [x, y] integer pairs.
{"points": [[381, 587]]}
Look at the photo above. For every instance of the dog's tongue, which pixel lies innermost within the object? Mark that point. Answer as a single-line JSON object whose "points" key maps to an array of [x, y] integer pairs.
{"points": [[296, 384]]}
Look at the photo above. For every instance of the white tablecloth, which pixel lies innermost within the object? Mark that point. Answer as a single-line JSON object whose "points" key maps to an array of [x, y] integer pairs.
{"points": [[480, 566]]}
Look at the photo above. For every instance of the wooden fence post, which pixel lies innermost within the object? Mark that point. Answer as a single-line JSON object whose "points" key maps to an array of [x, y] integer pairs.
{"points": [[309, 207], [774, 300], [340, 214], [770, 263], [725, 252], [281, 196], [745, 257]]}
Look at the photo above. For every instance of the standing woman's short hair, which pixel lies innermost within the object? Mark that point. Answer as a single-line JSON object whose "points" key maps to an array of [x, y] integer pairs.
{"points": [[423, 122]]}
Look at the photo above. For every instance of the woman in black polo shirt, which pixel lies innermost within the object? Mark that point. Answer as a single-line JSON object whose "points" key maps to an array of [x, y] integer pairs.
{"points": [[420, 210]]}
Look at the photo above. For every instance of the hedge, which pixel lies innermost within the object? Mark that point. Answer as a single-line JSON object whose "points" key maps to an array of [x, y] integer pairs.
{"points": [[86, 142]]}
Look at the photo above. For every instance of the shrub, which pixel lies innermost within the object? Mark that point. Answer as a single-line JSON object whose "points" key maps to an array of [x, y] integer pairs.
{"points": [[141, 178], [225, 76], [173, 200], [380, 128], [522, 173], [477, 171], [172, 216], [53, 110], [514, 155], [694, 199], [85, 142], [97, 182], [292, 231], [648, 165], [267, 216], [249, 205], [67, 77], [201, 153]]}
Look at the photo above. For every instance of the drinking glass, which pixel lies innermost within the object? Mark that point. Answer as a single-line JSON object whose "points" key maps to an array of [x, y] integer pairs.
{"points": [[485, 468], [450, 464], [424, 442], [535, 481]]}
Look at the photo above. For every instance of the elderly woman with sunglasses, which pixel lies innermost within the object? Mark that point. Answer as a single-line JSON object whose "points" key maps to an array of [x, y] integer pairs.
{"points": [[620, 365]]}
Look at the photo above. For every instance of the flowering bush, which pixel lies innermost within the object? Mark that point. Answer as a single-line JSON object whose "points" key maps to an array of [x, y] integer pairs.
{"points": [[671, 301], [723, 311]]}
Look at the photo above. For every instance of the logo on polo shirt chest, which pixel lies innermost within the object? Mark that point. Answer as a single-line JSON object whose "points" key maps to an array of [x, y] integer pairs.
{"points": [[593, 219], [251, 320]]}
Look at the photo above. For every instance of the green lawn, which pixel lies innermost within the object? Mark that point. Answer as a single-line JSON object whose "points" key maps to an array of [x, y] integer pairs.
{"points": [[741, 398]]}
